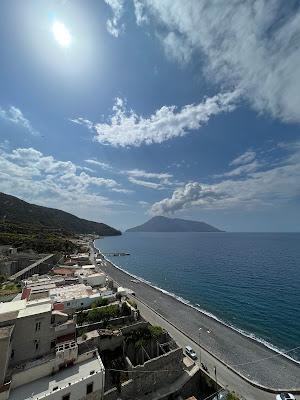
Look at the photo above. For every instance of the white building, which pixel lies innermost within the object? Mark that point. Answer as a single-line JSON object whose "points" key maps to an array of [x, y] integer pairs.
{"points": [[83, 380], [75, 297], [90, 277]]}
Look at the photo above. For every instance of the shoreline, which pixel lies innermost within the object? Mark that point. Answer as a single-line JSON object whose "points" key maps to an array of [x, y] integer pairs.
{"points": [[253, 346], [208, 314]]}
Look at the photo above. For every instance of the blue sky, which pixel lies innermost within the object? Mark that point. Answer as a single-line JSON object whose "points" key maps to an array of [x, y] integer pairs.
{"points": [[119, 110]]}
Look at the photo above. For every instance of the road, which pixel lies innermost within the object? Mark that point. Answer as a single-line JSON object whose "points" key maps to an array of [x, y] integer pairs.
{"points": [[227, 344]]}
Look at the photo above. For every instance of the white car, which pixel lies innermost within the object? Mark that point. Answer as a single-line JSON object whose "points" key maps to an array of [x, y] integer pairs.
{"points": [[285, 396], [190, 352]]}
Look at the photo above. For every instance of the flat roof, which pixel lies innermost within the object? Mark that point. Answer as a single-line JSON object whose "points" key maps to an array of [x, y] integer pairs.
{"points": [[44, 300], [69, 292], [12, 306], [34, 310], [44, 386]]}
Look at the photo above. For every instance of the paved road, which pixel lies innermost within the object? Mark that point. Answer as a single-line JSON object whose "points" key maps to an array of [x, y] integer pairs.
{"points": [[228, 345], [225, 377]]}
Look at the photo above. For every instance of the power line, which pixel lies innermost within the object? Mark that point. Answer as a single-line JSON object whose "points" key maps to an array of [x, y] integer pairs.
{"points": [[266, 358]]}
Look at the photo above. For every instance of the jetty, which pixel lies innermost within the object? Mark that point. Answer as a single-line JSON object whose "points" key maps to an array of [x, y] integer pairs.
{"points": [[116, 254]]}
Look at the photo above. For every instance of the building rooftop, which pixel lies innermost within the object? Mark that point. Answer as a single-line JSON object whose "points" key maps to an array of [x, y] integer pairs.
{"points": [[64, 293], [12, 306], [62, 379], [34, 310], [20, 309]]}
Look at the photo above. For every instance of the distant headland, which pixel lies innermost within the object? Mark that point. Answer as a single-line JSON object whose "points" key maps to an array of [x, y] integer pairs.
{"points": [[164, 224]]}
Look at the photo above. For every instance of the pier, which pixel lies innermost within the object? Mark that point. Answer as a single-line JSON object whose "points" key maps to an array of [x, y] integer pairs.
{"points": [[116, 254]]}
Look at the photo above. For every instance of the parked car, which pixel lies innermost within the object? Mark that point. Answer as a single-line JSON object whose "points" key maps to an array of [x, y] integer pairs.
{"points": [[190, 352], [222, 395], [285, 396]]}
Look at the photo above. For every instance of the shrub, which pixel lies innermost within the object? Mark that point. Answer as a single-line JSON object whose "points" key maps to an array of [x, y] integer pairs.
{"points": [[100, 303], [132, 303], [155, 331], [232, 396]]}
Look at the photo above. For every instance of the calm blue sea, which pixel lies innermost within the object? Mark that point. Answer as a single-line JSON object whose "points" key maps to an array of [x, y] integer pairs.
{"points": [[249, 280]]}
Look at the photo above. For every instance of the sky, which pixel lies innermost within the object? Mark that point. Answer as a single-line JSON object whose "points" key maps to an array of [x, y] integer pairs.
{"points": [[119, 110]]}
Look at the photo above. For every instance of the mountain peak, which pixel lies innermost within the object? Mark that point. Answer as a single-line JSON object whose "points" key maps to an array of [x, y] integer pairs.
{"points": [[164, 224]]}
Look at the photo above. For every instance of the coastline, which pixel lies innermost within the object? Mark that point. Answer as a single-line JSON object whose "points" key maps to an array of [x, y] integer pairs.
{"points": [[248, 335], [272, 357]]}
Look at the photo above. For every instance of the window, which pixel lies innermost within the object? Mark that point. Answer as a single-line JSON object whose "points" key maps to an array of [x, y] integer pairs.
{"points": [[12, 353], [36, 345], [52, 344], [89, 388], [52, 319], [37, 326], [68, 303], [66, 397]]}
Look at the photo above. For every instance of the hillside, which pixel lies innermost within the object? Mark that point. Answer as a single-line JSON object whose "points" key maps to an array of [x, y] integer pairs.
{"points": [[164, 224], [16, 211]]}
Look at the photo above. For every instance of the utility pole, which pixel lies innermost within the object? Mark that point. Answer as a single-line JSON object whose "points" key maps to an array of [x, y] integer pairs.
{"points": [[216, 383], [199, 347]]}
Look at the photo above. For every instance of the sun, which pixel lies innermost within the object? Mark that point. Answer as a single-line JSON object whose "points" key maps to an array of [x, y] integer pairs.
{"points": [[61, 34]]}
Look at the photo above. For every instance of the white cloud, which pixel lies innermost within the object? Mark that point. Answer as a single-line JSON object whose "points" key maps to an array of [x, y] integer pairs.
{"points": [[98, 164], [244, 169], [255, 187], [139, 12], [29, 174], [162, 178], [113, 24], [244, 158], [139, 173], [15, 116], [251, 45], [120, 190], [82, 121], [147, 184], [127, 128], [176, 47]]}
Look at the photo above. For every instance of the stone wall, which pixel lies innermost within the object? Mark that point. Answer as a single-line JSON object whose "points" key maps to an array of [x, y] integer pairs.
{"points": [[141, 383], [170, 364]]}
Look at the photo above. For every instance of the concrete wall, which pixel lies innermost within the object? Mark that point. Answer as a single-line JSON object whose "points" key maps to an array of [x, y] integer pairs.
{"points": [[12, 266], [26, 336], [35, 372], [144, 383], [5, 351], [141, 383]]}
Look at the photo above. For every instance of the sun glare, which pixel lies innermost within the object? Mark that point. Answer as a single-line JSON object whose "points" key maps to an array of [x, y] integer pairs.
{"points": [[61, 34]]}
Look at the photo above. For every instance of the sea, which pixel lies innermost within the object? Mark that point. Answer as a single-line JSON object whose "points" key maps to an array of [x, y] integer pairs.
{"points": [[250, 281]]}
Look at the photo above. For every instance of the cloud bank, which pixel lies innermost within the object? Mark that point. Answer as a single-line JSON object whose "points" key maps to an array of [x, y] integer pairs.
{"points": [[39, 178], [127, 128], [250, 185], [250, 45]]}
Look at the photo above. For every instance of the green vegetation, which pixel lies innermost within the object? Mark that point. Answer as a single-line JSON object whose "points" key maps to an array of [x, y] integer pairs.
{"points": [[98, 314], [99, 303], [155, 331], [232, 396], [17, 211], [7, 289], [132, 303], [41, 242], [143, 335]]}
